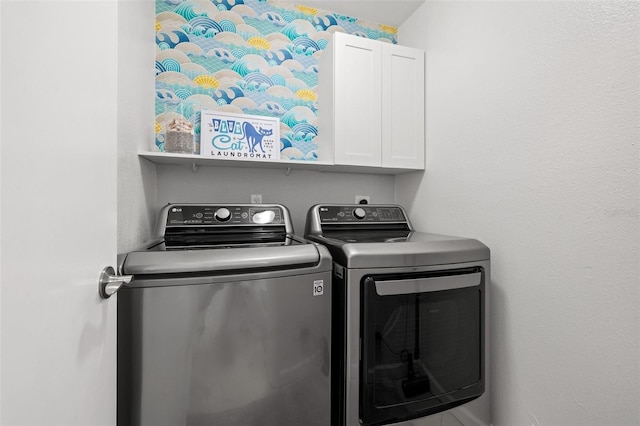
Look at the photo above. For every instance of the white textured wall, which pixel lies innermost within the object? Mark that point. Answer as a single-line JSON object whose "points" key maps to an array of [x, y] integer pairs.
{"points": [[0, 212], [136, 86], [298, 191], [533, 112]]}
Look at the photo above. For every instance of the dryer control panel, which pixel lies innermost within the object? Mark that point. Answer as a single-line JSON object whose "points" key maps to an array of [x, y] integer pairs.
{"points": [[341, 218], [361, 213]]}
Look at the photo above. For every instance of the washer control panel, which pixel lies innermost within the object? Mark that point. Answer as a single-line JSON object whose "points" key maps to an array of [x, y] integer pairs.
{"points": [[361, 213], [216, 215]]}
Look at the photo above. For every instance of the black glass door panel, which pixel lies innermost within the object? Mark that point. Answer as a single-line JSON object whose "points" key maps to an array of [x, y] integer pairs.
{"points": [[422, 352]]}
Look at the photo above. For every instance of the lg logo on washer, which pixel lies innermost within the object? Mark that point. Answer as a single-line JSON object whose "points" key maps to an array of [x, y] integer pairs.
{"points": [[318, 287]]}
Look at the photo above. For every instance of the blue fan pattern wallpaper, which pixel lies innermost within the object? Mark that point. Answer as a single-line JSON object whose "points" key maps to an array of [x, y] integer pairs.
{"points": [[247, 56]]}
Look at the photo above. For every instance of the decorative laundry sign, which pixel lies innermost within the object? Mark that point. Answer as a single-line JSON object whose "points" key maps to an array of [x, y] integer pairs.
{"points": [[232, 136]]}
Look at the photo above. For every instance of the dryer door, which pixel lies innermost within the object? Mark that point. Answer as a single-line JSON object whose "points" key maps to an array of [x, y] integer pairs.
{"points": [[422, 343]]}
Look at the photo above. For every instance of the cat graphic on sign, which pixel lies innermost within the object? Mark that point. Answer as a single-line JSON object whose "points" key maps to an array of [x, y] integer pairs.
{"points": [[254, 136]]}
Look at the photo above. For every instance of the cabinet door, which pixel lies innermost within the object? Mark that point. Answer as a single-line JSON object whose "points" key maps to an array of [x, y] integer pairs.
{"points": [[358, 111], [402, 107]]}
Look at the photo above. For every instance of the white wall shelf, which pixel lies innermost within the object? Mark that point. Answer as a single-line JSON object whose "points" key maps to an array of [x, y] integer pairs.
{"points": [[195, 161]]}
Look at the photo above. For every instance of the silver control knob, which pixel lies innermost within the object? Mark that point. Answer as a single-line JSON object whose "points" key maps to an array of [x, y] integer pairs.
{"points": [[222, 215], [359, 213]]}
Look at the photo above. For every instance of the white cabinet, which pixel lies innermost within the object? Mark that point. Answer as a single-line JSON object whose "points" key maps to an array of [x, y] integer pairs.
{"points": [[350, 101], [371, 104], [403, 128]]}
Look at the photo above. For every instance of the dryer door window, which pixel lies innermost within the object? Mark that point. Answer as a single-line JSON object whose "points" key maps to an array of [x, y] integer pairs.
{"points": [[422, 343]]}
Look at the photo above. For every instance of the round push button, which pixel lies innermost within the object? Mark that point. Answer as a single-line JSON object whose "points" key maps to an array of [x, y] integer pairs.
{"points": [[222, 215], [359, 213]]}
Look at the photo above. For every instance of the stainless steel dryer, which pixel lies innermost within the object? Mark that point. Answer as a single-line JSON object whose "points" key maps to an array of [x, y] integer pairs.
{"points": [[226, 321], [410, 312]]}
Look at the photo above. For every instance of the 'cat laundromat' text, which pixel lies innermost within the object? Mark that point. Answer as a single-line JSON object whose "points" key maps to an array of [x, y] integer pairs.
{"points": [[240, 155]]}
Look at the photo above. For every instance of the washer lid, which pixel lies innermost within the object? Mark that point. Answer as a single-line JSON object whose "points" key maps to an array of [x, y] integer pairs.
{"points": [[223, 260]]}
